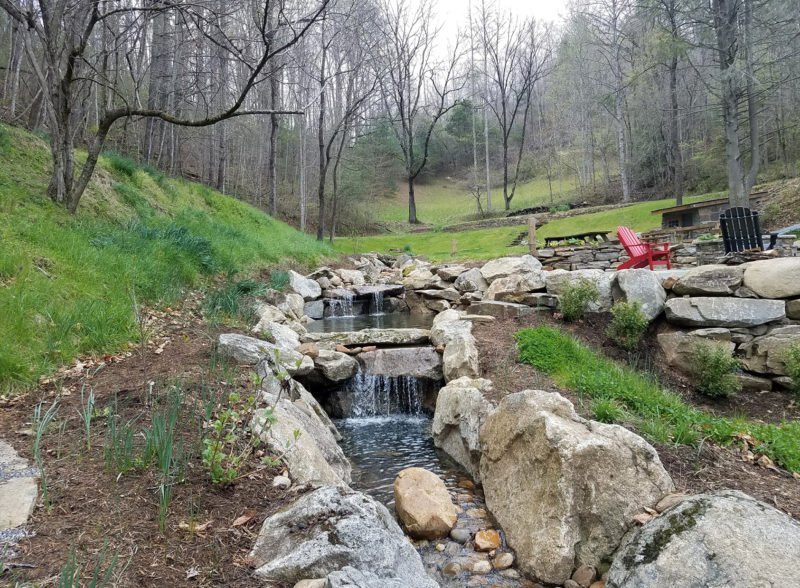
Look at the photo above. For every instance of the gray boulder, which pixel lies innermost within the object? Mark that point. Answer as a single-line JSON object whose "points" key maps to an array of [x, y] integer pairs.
{"points": [[305, 287], [471, 281], [679, 347], [509, 266], [564, 489], [500, 309], [774, 278], [418, 362], [251, 351], [642, 286], [516, 288], [710, 280], [767, 354], [329, 530], [374, 337], [723, 311], [460, 357], [559, 281], [450, 273], [281, 335], [793, 309], [721, 540], [461, 410], [335, 366]]}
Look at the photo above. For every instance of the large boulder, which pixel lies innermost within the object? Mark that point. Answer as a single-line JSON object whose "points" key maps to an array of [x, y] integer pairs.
{"points": [[423, 504], [417, 362], [460, 357], [471, 281], [354, 277], [335, 366], [281, 335], [250, 351], [374, 337], [710, 280], [305, 287], [723, 311], [559, 281], [642, 286], [509, 266], [500, 309], [767, 354], [724, 539], [308, 446], [680, 347], [450, 273], [516, 288], [329, 530], [461, 410], [774, 278], [422, 278], [564, 489]]}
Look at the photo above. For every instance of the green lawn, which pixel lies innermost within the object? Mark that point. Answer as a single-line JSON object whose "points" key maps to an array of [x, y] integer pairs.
{"points": [[444, 201], [620, 394], [488, 243], [67, 283]]}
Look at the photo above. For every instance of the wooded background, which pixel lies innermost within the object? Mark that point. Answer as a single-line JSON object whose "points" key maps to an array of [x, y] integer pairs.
{"points": [[318, 110]]}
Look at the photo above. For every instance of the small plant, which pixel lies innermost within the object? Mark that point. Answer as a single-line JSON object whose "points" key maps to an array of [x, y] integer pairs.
{"points": [[791, 359], [86, 413], [577, 297], [102, 573], [121, 164], [607, 410], [407, 249], [42, 422], [278, 280], [715, 371], [628, 324], [225, 447], [119, 450]]}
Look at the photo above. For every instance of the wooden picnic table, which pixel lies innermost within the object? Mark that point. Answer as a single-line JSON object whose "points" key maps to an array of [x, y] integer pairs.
{"points": [[603, 235]]}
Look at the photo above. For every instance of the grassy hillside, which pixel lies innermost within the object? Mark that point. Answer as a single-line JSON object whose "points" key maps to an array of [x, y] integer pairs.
{"points": [[488, 243], [444, 201], [67, 283]]}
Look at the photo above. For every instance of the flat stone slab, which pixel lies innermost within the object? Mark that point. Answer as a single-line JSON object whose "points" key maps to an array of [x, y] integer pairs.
{"points": [[724, 312], [418, 362], [19, 489], [385, 289], [374, 337], [500, 309]]}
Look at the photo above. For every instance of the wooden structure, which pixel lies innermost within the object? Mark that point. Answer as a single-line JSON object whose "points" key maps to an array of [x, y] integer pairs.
{"points": [[680, 234], [642, 254], [741, 230], [699, 213]]}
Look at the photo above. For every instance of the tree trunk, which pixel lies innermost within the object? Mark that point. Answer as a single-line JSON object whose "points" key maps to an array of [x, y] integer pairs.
{"points": [[676, 160], [412, 203]]}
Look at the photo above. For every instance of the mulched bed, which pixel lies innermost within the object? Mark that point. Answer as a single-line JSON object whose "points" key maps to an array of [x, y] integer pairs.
{"points": [[693, 469], [90, 505]]}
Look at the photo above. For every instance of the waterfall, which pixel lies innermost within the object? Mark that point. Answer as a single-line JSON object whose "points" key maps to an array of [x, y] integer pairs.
{"points": [[376, 305], [376, 395], [343, 306]]}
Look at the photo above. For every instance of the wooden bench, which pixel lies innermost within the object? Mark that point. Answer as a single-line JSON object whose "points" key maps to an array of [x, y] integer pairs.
{"points": [[741, 230]]}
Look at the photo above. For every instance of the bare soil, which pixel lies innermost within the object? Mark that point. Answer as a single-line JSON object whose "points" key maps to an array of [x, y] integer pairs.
{"points": [[693, 469], [91, 507]]}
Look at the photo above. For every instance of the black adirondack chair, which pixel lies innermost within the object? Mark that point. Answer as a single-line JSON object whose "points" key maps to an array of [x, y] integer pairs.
{"points": [[741, 230]]}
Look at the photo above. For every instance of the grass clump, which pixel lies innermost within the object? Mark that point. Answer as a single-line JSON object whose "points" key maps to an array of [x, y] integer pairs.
{"points": [[714, 370], [234, 299], [628, 324], [622, 394], [791, 359], [576, 299]]}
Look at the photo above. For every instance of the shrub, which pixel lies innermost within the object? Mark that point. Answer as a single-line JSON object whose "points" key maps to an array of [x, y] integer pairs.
{"points": [[577, 297], [792, 360], [714, 370], [628, 324]]}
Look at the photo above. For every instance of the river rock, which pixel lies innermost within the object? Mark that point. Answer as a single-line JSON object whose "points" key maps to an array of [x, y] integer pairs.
{"points": [[774, 278], [564, 489], [251, 351], [335, 366], [679, 347], [487, 540], [559, 281], [515, 288], [500, 309], [461, 410], [766, 355], [330, 529], [642, 286], [417, 362], [305, 287], [471, 281], [374, 337], [503, 561], [725, 539], [423, 504], [307, 445], [710, 280], [450, 273], [508, 266], [723, 311]]}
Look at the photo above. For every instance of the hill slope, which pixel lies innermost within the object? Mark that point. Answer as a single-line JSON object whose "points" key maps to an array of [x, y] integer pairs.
{"points": [[67, 283]]}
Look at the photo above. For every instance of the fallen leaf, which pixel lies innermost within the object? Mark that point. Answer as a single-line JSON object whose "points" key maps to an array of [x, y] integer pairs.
{"points": [[244, 519], [194, 527], [192, 573]]}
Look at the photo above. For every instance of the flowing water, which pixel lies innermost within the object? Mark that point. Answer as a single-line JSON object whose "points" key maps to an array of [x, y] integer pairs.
{"points": [[342, 307], [391, 320]]}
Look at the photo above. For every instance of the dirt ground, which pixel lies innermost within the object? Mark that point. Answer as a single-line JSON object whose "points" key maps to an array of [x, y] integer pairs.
{"points": [[91, 507], [693, 469]]}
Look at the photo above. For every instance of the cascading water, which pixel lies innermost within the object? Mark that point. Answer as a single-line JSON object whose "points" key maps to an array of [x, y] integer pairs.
{"points": [[342, 307], [376, 304], [376, 395]]}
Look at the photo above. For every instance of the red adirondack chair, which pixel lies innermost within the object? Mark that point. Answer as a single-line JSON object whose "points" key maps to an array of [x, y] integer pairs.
{"points": [[642, 254]]}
